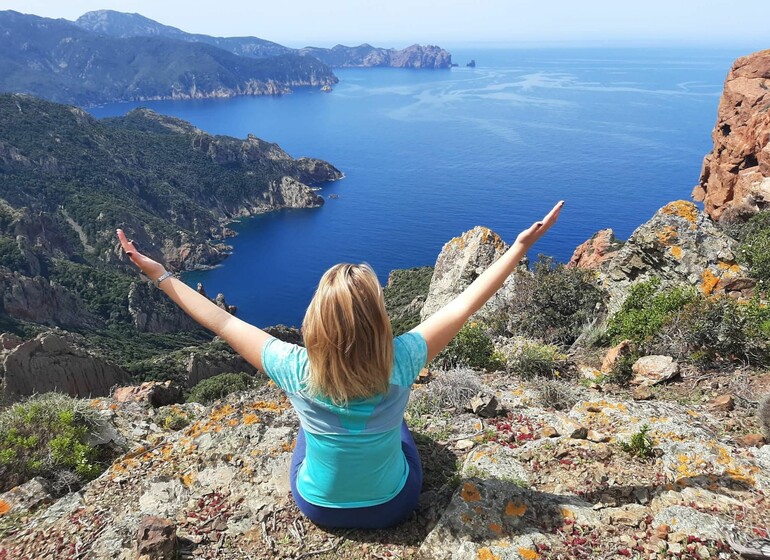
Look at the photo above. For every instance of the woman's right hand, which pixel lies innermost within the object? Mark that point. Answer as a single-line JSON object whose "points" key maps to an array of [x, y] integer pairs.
{"points": [[536, 230], [149, 267]]}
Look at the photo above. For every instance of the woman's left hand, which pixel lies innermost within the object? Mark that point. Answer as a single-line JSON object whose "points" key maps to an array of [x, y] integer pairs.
{"points": [[149, 267]]}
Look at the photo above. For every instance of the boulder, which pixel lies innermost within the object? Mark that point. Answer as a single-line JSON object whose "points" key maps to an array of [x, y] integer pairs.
{"points": [[593, 253], [26, 497], [651, 370], [679, 245], [154, 393], [156, 539], [460, 262], [614, 355], [735, 178], [52, 362]]}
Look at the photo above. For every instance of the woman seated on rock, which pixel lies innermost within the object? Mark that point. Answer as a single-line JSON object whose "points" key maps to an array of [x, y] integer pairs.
{"points": [[355, 463]]}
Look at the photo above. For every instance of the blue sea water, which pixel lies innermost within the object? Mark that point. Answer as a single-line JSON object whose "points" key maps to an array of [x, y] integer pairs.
{"points": [[427, 155]]}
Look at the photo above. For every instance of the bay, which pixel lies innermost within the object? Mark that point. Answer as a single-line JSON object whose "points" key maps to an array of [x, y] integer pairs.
{"points": [[427, 155]]}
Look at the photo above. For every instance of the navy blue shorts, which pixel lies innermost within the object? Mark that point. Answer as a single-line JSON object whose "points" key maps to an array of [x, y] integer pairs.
{"points": [[373, 517]]}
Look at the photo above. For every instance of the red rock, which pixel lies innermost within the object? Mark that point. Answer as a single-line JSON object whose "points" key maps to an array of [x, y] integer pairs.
{"points": [[595, 251], [156, 538], [722, 403], [735, 178], [614, 355], [152, 392], [750, 440]]}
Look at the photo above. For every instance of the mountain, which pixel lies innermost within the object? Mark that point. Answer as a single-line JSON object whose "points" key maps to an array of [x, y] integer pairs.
{"points": [[67, 181], [119, 24], [62, 62], [365, 55]]}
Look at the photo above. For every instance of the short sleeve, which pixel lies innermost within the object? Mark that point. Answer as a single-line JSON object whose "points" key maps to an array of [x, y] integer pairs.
{"points": [[285, 363], [410, 355]]}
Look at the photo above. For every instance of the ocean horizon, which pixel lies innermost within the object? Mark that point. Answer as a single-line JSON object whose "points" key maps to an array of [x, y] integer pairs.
{"points": [[429, 154]]}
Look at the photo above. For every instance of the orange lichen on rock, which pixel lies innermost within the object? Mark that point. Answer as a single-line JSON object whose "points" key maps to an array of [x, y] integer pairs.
{"points": [[250, 418], [486, 554], [709, 282], [5, 507], [668, 235], [528, 553], [515, 510], [496, 528], [189, 479], [676, 251], [729, 267], [470, 493], [683, 209]]}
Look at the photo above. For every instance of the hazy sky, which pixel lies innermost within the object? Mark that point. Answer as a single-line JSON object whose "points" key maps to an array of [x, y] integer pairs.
{"points": [[393, 23]]}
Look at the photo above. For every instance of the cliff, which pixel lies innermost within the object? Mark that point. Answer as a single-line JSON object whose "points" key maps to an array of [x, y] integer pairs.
{"points": [[366, 56], [62, 62], [735, 180]]}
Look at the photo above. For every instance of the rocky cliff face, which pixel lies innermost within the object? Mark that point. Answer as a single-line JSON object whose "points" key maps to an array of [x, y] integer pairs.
{"points": [[51, 362], [735, 180], [365, 56], [460, 262]]}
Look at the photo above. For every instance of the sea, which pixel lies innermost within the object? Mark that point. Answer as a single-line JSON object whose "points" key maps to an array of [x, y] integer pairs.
{"points": [[429, 154]]}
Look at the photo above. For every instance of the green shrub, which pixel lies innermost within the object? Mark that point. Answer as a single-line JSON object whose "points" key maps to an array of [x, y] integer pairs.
{"points": [[471, 347], [621, 372], [646, 310], [537, 360], [554, 303], [640, 445], [45, 435], [172, 418], [404, 296], [219, 386]]}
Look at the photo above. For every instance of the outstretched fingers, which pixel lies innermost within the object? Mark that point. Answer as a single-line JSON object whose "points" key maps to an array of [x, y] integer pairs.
{"points": [[552, 216]]}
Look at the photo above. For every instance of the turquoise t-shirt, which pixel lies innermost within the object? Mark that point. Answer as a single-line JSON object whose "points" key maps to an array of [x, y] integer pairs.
{"points": [[353, 456]]}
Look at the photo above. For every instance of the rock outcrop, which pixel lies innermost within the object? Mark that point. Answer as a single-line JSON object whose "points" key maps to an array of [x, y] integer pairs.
{"points": [[50, 362], [415, 56], [596, 251], [679, 245], [735, 179], [460, 262]]}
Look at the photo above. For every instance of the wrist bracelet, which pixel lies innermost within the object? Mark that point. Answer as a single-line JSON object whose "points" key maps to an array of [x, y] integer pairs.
{"points": [[162, 277]]}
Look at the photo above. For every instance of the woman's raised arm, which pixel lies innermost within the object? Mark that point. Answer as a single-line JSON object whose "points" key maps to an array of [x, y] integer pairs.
{"points": [[439, 329], [244, 338]]}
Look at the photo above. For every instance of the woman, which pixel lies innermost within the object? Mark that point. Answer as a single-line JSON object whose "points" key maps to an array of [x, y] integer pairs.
{"points": [[355, 463]]}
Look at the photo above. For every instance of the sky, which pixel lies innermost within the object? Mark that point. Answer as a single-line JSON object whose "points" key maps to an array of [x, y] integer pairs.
{"points": [[398, 23]]}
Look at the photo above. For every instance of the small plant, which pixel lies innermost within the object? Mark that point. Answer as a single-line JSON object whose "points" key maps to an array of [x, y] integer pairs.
{"points": [[622, 371], [471, 347], [537, 360], [219, 386], [763, 414], [451, 389], [172, 418], [555, 394], [640, 445], [45, 435]]}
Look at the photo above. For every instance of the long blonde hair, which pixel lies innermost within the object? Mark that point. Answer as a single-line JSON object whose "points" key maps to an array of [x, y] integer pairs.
{"points": [[348, 335]]}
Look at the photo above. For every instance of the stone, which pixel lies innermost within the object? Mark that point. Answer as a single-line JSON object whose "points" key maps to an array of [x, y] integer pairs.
{"points": [[486, 406], [642, 393], [593, 253], [735, 177], [614, 355], [548, 432], [722, 403], [54, 362], [590, 373], [154, 393], [156, 538], [630, 515], [651, 370], [689, 521], [679, 245], [597, 437], [464, 445], [750, 440], [27, 496], [460, 262]]}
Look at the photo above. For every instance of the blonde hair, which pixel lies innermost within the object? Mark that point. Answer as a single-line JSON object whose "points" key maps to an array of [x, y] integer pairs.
{"points": [[348, 335]]}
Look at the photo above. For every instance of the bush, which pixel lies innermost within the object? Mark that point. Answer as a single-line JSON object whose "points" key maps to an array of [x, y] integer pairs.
{"points": [[451, 389], [554, 303], [471, 347], [646, 310], [537, 360], [717, 329], [46, 435], [754, 248], [555, 394], [172, 418], [219, 386]]}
